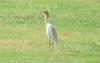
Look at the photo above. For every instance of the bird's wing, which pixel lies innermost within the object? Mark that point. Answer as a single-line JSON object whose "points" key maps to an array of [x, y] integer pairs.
{"points": [[53, 33]]}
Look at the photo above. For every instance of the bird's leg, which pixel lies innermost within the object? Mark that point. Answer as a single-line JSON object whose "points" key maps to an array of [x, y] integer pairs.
{"points": [[53, 45], [49, 43]]}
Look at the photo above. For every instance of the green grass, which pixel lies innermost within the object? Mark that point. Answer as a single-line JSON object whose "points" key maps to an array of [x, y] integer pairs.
{"points": [[23, 37]]}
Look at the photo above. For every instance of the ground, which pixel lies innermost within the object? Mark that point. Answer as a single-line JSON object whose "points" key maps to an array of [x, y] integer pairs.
{"points": [[23, 37]]}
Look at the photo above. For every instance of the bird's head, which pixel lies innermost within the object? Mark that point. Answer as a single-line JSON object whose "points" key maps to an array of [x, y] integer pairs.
{"points": [[45, 13]]}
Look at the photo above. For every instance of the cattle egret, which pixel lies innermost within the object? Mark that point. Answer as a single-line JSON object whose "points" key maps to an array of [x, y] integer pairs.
{"points": [[51, 32]]}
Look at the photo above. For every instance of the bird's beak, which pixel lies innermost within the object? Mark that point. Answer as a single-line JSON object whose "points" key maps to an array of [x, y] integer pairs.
{"points": [[41, 11]]}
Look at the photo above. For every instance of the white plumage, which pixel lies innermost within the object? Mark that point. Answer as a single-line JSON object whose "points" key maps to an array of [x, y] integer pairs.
{"points": [[52, 35]]}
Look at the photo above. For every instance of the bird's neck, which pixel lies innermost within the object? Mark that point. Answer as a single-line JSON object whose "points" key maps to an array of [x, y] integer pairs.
{"points": [[46, 20]]}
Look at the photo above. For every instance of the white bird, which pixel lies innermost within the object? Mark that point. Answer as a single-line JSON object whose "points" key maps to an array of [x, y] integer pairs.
{"points": [[51, 32]]}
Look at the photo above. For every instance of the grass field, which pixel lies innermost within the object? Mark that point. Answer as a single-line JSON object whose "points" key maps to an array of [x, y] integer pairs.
{"points": [[23, 37]]}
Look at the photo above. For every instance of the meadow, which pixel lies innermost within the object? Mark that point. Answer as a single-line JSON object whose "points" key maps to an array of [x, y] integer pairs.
{"points": [[23, 37]]}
